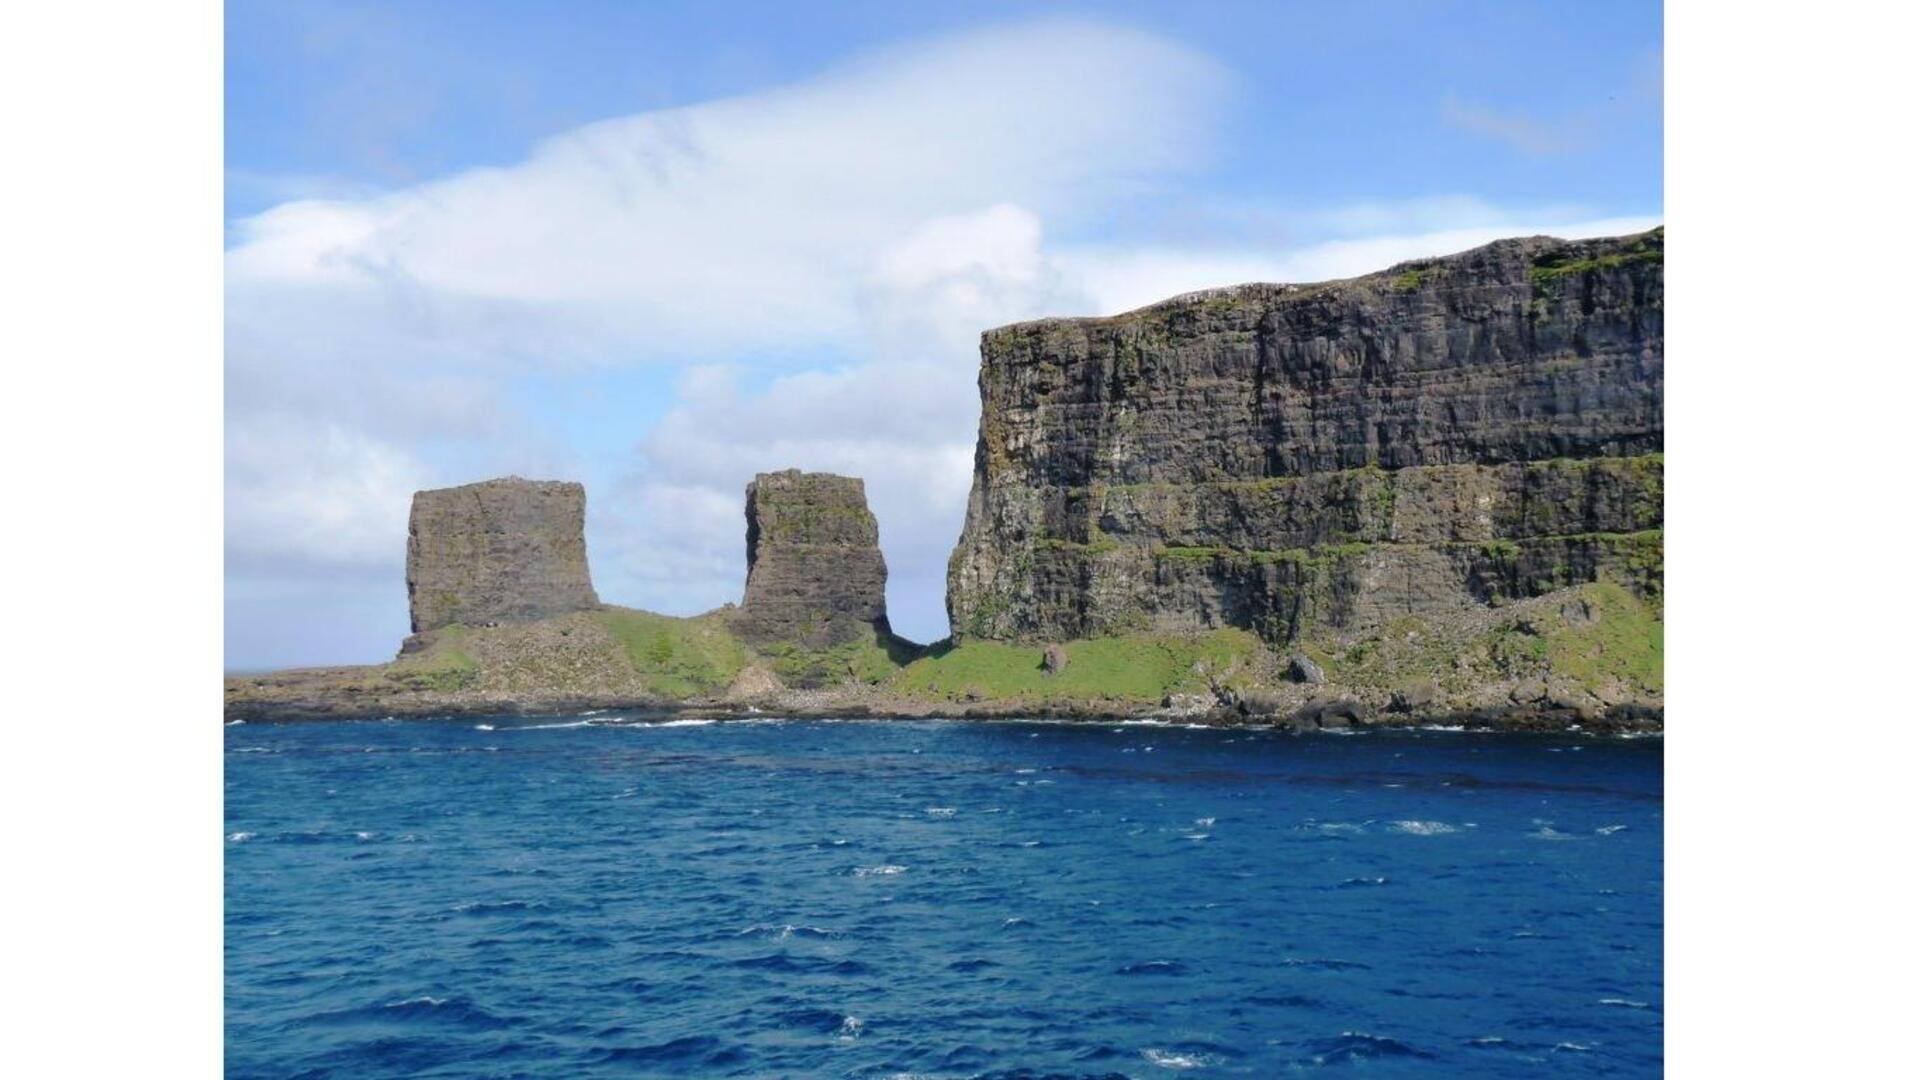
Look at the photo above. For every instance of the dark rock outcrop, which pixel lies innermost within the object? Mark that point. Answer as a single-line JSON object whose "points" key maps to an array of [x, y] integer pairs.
{"points": [[1054, 660], [507, 550], [1446, 434], [815, 575]]}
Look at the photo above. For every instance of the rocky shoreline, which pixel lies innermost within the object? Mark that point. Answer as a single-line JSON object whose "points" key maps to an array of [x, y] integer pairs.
{"points": [[1338, 714]]}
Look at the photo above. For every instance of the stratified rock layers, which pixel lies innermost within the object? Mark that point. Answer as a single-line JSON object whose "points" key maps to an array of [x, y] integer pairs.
{"points": [[815, 575], [1292, 459], [507, 550]]}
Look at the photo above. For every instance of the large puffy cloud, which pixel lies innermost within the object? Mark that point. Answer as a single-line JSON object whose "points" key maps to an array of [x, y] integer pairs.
{"points": [[808, 268]]}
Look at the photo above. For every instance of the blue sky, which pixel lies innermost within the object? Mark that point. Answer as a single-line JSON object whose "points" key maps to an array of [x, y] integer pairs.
{"points": [[658, 247]]}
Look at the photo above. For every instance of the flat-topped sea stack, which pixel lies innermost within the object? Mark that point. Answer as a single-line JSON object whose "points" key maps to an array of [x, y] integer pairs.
{"points": [[506, 550], [1447, 435], [815, 575]]}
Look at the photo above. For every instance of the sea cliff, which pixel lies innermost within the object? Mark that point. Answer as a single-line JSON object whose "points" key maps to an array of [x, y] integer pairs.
{"points": [[1429, 494]]}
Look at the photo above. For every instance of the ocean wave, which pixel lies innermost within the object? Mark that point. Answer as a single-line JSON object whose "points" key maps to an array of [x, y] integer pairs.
{"points": [[691, 1050], [1333, 828], [239, 837], [1153, 967], [1325, 964], [788, 930], [454, 1012], [878, 871], [1624, 1003], [1423, 828], [1609, 830], [787, 963], [1353, 1046], [940, 811], [1168, 1059]]}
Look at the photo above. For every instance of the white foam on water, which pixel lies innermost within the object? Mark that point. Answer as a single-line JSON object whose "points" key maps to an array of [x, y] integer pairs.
{"points": [[850, 1027], [235, 723], [689, 721], [873, 871], [1197, 836], [940, 811], [1167, 1059], [1423, 828], [1204, 822], [483, 727], [550, 727], [239, 837], [1624, 1003], [1609, 830]]}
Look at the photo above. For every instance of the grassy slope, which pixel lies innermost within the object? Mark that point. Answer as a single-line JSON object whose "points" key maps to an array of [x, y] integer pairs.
{"points": [[1135, 667], [677, 657], [1592, 636]]}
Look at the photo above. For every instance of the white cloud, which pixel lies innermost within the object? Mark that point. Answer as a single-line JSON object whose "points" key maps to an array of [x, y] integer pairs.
{"points": [[318, 494]]}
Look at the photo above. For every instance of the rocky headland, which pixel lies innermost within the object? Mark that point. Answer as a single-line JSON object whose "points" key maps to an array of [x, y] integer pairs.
{"points": [[1430, 494]]}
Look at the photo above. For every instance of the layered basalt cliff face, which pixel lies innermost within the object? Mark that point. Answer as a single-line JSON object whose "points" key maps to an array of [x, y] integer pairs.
{"points": [[815, 575], [507, 550], [1298, 460]]}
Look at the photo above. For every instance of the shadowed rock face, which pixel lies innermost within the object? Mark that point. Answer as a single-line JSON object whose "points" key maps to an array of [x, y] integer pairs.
{"points": [[508, 550], [1447, 433], [815, 576]]}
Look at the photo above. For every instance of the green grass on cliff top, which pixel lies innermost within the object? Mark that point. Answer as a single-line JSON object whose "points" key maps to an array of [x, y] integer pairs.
{"points": [[1136, 667], [677, 657]]}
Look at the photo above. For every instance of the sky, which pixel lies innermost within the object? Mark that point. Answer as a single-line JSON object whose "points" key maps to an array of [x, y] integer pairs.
{"points": [[658, 248]]}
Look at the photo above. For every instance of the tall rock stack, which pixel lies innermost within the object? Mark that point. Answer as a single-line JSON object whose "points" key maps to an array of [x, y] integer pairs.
{"points": [[1289, 459], [507, 550], [815, 576]]}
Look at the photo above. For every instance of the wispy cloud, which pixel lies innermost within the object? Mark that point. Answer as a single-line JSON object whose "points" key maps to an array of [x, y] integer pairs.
{"points": [[1574, 131]]}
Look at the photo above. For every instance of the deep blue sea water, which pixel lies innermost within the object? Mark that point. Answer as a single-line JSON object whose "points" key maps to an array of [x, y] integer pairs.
{"points": [[567, 898]]}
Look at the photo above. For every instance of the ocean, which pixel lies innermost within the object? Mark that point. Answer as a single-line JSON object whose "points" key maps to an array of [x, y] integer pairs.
{"points": [[594, 896]]}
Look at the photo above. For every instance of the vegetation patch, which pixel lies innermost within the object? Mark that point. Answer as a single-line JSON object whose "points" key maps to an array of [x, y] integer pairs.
{"points": [[443, 666], [677, 657], [1619, 637], [1592, 635], [1558, 265], [868, 660], [1131, 667]]}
